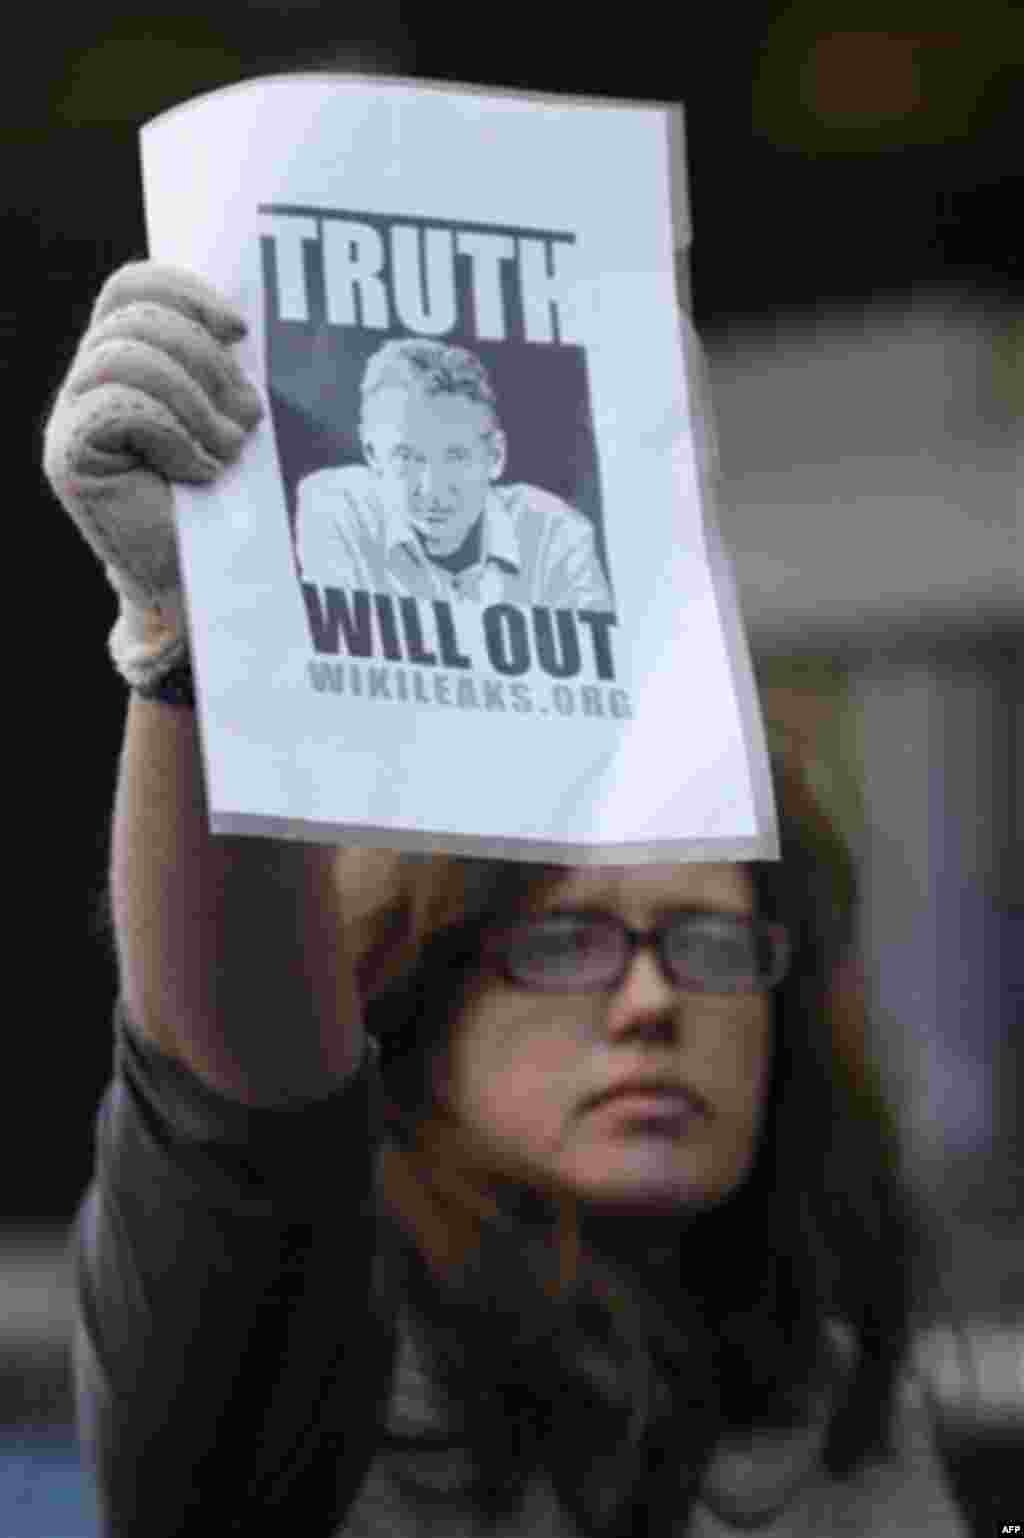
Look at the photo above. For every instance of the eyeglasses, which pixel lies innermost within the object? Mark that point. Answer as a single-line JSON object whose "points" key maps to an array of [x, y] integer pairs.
{"points": [[703, 952]]}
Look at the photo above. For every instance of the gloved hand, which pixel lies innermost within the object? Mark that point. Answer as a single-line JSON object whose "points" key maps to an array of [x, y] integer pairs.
{"points": [[153, 395]]}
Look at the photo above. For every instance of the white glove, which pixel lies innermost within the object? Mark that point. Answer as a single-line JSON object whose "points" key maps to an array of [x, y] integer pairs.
{"points": [[153, 396]]}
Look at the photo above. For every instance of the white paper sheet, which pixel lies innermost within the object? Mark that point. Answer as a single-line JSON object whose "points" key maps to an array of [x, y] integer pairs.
{"points": [[464, 590]]}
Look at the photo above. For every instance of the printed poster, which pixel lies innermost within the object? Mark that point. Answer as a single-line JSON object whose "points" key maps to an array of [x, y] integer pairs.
{"points": [[464, 590]]}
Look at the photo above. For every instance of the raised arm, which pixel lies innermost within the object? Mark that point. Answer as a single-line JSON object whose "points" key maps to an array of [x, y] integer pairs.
{"points": [[230, 949]]}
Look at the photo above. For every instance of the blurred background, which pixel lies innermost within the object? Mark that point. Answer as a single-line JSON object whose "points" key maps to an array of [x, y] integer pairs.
{"points": [[854, 174]]}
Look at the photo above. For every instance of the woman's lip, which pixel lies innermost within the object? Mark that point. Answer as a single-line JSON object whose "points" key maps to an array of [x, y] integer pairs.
{"points": [[674, 1105], [645, 1087]]}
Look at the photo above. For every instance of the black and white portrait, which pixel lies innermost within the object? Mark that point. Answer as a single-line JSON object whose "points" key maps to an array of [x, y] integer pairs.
{"points": [[432, 413], [428, 511]]}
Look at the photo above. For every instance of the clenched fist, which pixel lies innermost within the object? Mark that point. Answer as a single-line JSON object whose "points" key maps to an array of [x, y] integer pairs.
{"points": [[154, 395]]}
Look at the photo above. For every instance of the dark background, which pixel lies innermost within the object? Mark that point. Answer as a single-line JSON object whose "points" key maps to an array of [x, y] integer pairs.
{"points": [[837, 152]]}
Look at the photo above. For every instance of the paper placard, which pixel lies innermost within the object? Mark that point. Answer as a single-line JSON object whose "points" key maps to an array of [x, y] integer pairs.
{"points": [[464, 590]]}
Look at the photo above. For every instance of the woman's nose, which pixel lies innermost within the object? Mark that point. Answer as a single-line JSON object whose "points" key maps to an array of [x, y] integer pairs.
{"points": [[645, 999]]}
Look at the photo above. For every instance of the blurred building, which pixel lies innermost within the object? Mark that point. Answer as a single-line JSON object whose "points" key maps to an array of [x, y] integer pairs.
{"points": [[871, 461], [871, 475], [871, 497]]}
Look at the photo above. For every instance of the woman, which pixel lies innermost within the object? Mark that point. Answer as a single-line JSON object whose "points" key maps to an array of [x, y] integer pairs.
{"points": [[597, 1229]]}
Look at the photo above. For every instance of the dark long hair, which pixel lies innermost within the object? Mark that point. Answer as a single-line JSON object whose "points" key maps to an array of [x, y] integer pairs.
{"points": [[563, 1356]]}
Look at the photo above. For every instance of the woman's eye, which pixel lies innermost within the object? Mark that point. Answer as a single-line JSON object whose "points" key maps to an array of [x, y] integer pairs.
{"points": [[715, 950], [555, 939], [550, 944]]}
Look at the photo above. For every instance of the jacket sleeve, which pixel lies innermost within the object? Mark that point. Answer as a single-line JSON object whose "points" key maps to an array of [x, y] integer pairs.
{"points": [[224, 1261]]}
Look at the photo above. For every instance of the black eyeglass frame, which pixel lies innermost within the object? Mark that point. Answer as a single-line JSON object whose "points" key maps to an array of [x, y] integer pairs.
{"points": [[655, 938]]}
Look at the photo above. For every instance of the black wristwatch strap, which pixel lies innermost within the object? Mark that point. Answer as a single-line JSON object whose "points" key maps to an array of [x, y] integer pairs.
{"points": [[176, 687]]}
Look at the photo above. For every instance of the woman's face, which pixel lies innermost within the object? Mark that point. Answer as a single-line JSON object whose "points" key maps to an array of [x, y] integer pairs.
{"points": [[529, 1072]]}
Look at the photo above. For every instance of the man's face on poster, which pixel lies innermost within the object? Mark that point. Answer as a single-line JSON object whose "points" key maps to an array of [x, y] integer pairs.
{"points": [[437, 456]]}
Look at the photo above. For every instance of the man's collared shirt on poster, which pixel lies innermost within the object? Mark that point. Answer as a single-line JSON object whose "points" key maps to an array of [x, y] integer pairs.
{"points": [[534, 548]]}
